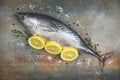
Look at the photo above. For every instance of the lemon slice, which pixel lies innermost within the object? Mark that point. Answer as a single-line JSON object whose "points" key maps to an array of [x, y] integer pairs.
{"points": [[37, 42], [69, 53], [53, 47]]}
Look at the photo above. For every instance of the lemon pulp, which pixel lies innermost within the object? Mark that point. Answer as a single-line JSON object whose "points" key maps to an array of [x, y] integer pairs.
{"points": [[53, 47], [69, 53], [37, 42]]}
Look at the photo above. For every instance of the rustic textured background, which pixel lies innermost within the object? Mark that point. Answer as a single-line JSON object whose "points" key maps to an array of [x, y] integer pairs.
{"points": [[100, 19]]}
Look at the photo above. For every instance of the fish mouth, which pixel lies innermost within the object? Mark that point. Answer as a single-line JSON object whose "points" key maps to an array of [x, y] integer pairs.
{"points": [[20, 16]]}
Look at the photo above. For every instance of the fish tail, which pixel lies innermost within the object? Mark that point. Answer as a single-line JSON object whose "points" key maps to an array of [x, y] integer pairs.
{"points": [[102, 60]]}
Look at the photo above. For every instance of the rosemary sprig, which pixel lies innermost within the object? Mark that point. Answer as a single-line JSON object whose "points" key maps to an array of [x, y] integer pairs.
{"points": [[18, 33], [92, 45]]}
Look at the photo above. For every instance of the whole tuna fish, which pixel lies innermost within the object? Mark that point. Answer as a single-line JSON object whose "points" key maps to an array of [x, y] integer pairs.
{"points": [[56, 30]]}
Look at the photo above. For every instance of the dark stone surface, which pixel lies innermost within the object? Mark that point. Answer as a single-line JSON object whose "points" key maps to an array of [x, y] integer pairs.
{"points": [[98, 18]]}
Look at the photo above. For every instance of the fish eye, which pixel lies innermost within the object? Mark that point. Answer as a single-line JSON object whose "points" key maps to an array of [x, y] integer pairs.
{"points": [[20, 15]]}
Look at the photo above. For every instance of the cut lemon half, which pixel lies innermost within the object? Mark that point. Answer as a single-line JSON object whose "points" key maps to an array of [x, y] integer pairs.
{"points": [[37, 41], [53, 47], [69, 53]]}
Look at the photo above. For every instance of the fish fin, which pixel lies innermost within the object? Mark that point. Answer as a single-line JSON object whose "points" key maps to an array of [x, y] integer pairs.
{"points": [[102, 60]]}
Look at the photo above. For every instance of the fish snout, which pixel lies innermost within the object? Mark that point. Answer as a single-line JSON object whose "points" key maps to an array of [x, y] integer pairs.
{"points": [[20, 16]]}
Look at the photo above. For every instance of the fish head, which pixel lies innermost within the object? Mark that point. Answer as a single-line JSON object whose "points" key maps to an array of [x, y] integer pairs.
{"points": [[28, 20]]}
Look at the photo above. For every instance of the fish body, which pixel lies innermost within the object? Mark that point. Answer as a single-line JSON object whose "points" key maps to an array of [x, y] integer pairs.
{"points": [[56, 30], [52, 29]]}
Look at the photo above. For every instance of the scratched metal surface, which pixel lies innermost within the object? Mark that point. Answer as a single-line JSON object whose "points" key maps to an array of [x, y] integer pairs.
{"points": [[99, 18]]}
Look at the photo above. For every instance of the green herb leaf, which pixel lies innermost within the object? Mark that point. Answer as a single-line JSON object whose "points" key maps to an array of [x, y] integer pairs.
{"points": [[18, 33], [93, 46]]}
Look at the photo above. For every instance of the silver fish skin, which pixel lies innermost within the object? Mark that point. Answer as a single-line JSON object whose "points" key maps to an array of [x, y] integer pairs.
{"points": [[54, 29]]}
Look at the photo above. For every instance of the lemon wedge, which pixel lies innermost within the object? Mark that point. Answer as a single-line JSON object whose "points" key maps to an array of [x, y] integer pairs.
{"points": [[53, 47], [69, 53], [37, 41]]}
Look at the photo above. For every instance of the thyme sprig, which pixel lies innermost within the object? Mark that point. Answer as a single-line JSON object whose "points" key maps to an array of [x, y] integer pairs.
{"points": [[18, 33], [92, 45]]}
